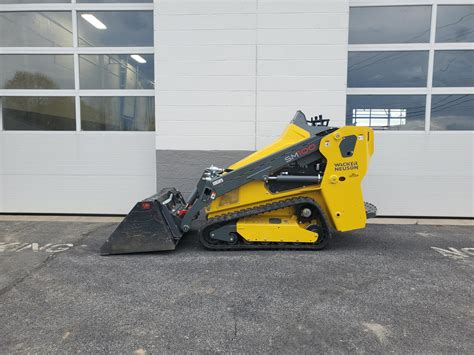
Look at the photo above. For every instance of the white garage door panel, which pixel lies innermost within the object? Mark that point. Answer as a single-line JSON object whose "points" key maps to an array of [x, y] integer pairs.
{"points": [[437, 196], [73, 154], [75, 194], [421, 154], [76, 172], [419, 174], [24, 153]]}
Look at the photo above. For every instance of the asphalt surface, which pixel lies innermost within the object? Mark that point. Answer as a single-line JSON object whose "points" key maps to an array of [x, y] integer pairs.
{"points": [[384, 289]]}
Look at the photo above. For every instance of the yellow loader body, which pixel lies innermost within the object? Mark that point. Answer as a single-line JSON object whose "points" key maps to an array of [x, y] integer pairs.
{"points": [[339, 194]]}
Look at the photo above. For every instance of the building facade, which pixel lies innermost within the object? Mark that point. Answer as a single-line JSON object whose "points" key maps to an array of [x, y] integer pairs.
{"points": [[104, 102]]}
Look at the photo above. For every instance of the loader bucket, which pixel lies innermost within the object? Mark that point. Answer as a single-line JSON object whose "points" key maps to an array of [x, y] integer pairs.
{"points": [[150, 226]]}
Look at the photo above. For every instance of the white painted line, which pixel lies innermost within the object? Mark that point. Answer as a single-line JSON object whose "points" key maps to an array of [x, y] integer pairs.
{"points": [[454, 253], [35, 247]]}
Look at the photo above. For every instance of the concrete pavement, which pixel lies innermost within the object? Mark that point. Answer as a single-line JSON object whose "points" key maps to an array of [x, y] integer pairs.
{"points": [[388, 288]]}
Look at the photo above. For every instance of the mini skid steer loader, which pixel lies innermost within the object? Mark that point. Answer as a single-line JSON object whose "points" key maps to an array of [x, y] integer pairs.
{"points": [[290, 194]]}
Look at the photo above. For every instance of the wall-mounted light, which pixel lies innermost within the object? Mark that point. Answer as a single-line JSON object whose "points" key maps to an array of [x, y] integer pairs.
{"points": [[94, 21], [138, 58]]}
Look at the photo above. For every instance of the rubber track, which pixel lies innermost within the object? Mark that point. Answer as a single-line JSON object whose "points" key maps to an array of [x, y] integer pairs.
{"points": [[370, 210], [227, 218]]}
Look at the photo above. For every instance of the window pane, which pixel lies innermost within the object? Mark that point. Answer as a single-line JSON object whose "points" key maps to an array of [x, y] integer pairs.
{"points": [[35, 29], [452, 113], [31, 71], [389, 24], [453, 68], [119, 113], [38, 113], [115, 28], [389, 112], [455, 23], [387, 69], [116, 71]]}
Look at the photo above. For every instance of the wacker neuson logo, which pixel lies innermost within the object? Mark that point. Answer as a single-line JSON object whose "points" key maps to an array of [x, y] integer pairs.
{"points": [[348, 165]]}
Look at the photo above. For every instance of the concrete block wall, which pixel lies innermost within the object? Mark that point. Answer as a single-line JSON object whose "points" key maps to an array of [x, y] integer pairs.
{"points": [[182, 168], [232, 73], [206, 65]]}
